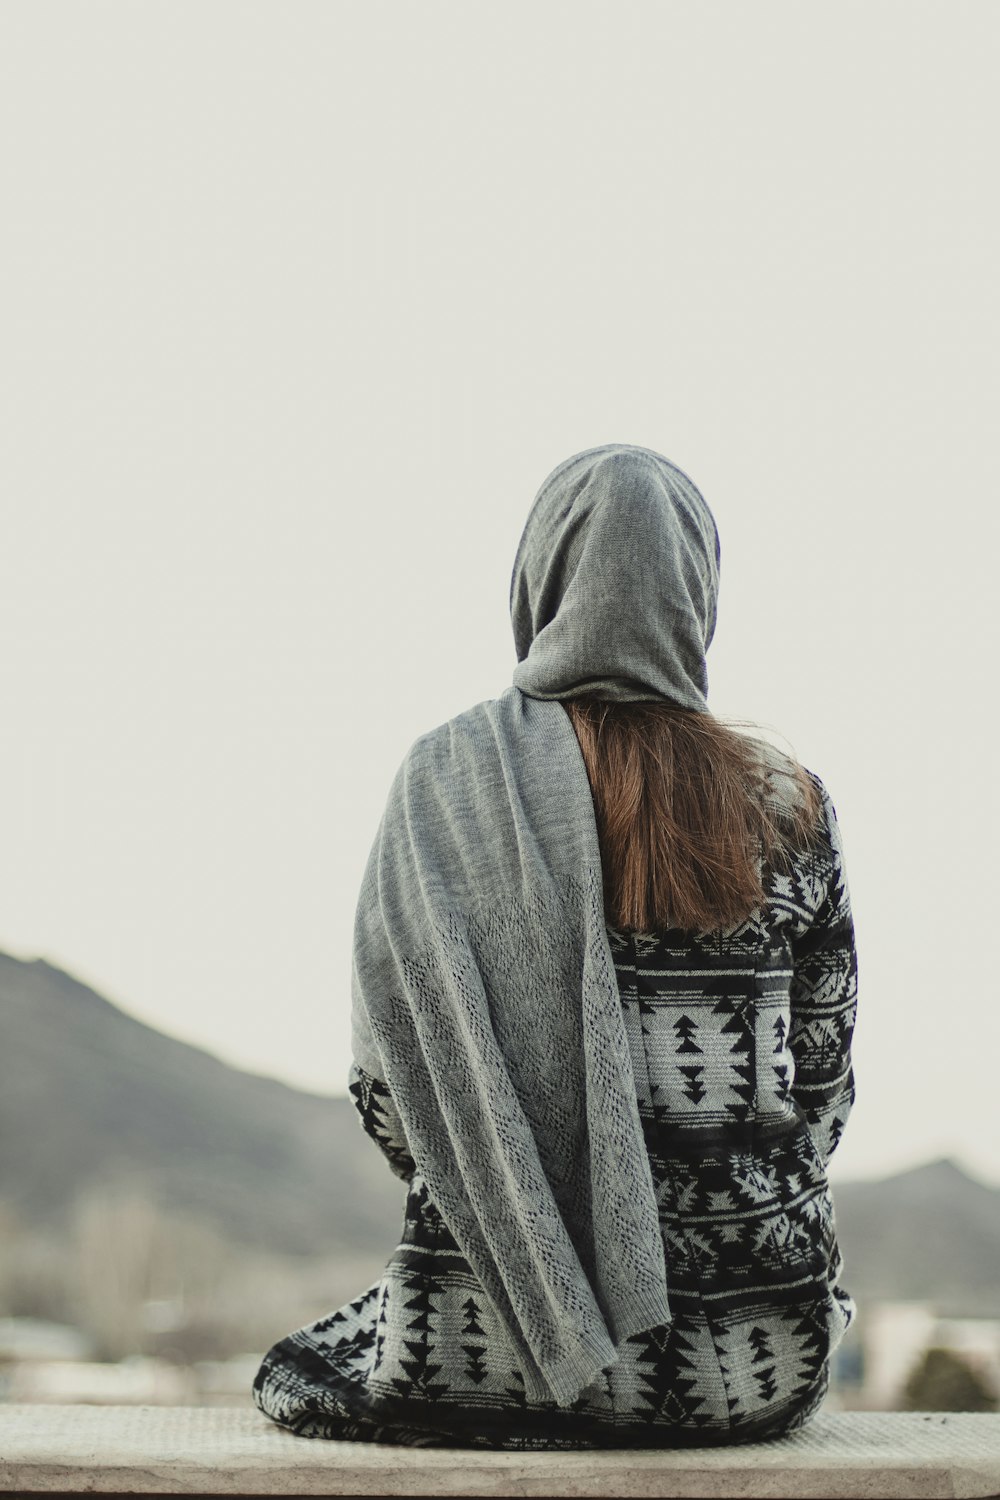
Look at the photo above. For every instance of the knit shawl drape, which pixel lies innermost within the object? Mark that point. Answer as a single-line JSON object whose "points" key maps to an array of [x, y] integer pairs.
{"points": [[483, 986]]}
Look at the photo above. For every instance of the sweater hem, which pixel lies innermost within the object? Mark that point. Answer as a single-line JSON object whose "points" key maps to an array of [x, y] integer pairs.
{"points": [[564, 1380]]}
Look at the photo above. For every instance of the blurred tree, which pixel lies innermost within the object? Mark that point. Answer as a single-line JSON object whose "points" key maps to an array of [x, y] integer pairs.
{"points": [[943, 1381]]}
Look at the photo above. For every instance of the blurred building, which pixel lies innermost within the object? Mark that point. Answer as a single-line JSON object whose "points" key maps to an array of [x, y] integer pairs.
{"points": [[888, 1341]]}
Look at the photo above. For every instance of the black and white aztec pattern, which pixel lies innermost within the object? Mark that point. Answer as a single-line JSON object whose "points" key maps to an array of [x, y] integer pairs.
{"points": [[741, 1045]]}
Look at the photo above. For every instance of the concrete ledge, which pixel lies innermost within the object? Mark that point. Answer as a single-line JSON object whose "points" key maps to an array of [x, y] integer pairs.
{"points": [[147, 1450]]}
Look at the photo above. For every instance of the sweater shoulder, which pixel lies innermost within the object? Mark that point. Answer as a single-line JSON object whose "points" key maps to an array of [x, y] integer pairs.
{"points": [[459, 737]]}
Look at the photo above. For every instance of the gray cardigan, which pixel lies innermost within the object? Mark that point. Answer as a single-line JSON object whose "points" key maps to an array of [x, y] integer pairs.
{"points": [[483, 985]]}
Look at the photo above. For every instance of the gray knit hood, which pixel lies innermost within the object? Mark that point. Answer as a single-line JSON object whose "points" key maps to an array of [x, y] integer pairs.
{"points": [[615, 581]]}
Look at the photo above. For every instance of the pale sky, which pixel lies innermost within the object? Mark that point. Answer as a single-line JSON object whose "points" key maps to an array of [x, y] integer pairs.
{"points": [[302, 302]]}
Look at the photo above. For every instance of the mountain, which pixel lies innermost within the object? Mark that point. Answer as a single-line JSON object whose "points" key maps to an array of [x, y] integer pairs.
{"points": [[89, 1095], [931, 1232]]}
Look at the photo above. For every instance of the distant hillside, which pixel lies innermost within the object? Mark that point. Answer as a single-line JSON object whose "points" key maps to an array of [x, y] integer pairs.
{"points": [[88, 1095], [932, 1232]]}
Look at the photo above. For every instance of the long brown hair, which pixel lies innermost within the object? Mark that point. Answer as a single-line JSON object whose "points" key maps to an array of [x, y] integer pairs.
{"points": [[685, 817]]}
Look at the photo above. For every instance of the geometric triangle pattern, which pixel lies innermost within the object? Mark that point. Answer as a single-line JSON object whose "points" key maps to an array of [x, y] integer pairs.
{"points": [[741, 1047]]}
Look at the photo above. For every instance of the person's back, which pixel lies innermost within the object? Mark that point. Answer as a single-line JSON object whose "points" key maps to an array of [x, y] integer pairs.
{"points": [[741, 1049], [738, 1031]]}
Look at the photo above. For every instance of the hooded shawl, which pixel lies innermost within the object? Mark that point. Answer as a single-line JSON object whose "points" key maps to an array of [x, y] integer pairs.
{"points": [[483, 986]]}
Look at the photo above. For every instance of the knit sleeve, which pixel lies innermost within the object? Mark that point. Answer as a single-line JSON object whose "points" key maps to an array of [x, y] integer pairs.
{"points": [[380, 1119], [824, 994]]}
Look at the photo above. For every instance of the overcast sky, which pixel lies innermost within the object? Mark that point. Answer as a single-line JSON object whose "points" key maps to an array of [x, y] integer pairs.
{"points": [[302, 302]]}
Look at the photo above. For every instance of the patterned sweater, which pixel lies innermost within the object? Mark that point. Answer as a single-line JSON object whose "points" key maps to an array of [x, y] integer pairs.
{"points": [[741, 1046]]}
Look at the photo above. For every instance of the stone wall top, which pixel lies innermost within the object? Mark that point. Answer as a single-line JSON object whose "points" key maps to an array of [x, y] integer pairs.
{"points": [[146, 1450]]}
